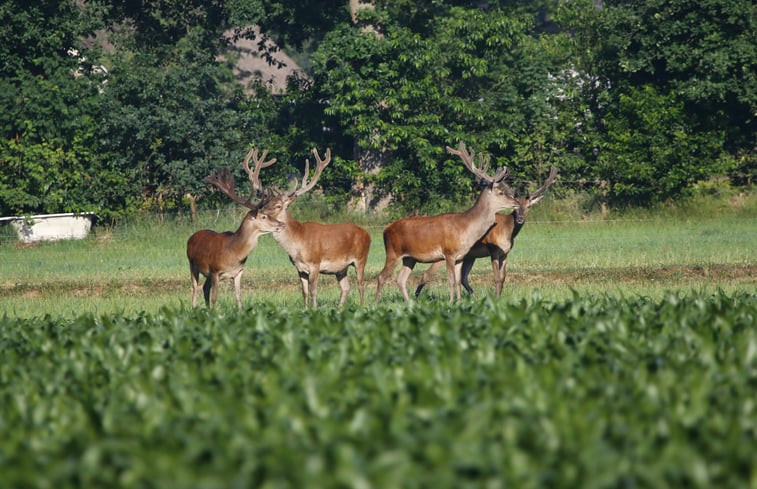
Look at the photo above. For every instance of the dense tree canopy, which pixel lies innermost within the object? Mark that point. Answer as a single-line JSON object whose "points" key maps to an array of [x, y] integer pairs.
{"points": [[678, 88], [119, 105]]}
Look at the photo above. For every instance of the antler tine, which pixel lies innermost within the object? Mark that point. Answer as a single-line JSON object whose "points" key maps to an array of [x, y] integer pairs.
{"points": [[305, 176], [469, 162], [254, 175], [483, 162], [549, 181], [463, 154], [224, 181], [502, 173], [309, 182]]}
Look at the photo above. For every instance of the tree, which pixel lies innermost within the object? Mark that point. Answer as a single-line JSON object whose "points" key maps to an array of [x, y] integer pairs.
{"points": [[649, 152], [174, 111], [702, 52], [49, 96], [418, 87], [667, 87], [646, 96]]}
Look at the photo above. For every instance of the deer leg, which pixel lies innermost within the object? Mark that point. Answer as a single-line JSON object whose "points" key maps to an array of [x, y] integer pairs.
{"points": [[211, 289], [195, 284], [407, 268], [313, 282], [451, 279], [426, 277], [499, 265], [391, 264], [238, 289], [305, 287], [465, 271], [360, 272], [344, 284], [458, 279]]}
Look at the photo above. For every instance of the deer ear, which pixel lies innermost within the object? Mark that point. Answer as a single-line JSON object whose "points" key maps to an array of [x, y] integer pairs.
{"points": [[499, 185]]}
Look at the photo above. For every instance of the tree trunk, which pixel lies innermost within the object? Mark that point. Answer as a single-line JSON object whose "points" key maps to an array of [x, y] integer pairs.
{"points": [[370, 162], [365, 197], [192, 205], [355, 7]]}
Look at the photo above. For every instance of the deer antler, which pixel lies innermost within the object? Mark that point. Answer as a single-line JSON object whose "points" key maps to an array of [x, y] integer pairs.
{"points": [[254, 175], [307, 181], [481, 172], [539, 193], [224, 180]]}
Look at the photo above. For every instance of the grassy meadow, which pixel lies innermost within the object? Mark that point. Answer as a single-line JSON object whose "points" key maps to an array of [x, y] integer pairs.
{"points": [[140, 266], [623, 353]]}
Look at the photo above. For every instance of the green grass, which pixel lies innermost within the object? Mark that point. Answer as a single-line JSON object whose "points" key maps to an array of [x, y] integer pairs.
{"points": [[141, 265], [582, 392]]}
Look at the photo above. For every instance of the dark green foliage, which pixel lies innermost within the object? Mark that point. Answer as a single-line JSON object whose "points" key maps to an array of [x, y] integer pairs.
{"points": [[177, 128], [590, 392], [466, 75], [636, 101], [48, 96], [670, 95], [650, 152], [173, 111], [704, 52]]}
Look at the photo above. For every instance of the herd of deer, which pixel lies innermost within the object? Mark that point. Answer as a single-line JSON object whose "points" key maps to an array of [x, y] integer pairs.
{"points": [[455, 239]]}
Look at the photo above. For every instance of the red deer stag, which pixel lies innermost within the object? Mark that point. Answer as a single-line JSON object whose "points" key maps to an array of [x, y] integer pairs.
{"points": [[446, 237], [218, 256], [496, 243], [316, 248]]}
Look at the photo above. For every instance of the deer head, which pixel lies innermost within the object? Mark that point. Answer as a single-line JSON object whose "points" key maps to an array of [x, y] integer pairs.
{"points": [[532, 198]]}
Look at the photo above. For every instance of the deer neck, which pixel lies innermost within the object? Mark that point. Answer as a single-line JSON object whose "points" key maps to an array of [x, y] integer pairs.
{"points": [[245, 239], [292, 234], [479, 218], [517, 226]]}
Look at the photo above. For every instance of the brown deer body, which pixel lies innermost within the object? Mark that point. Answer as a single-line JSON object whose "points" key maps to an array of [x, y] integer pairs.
{"points": [[447, 237], [316, 248], [496, 243], [219, 256]]}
